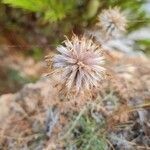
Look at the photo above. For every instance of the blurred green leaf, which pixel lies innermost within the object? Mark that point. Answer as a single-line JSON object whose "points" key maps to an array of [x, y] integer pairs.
{"points": [[144, 45], [35, 53], [52, 10], [31, 5]]}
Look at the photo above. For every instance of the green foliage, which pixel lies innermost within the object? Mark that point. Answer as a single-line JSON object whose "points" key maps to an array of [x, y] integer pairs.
{"points": [[70, 15], [16, 77], [92, 9], [51, 10], [31, 5], [35, 53], [144, 45], [82, 12], [87, 134]]}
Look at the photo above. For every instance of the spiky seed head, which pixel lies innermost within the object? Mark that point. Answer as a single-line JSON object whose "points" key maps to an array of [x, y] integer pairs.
{"points": [[80, 63], [112, 21]]}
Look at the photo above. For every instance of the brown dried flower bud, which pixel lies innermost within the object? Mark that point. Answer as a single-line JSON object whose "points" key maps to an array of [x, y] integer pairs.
{"points": [[112, 21], [79, 64]]}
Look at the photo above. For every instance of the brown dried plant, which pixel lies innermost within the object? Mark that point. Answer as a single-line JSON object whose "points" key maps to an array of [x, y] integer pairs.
{"points": [[79, 66], [112, 21]]}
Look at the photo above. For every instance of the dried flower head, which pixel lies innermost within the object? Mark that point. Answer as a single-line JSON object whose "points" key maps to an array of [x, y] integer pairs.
{"points": [[79, 63], [112, 21]]}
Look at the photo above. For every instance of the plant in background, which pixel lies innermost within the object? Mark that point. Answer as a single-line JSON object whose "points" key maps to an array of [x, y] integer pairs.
{"points": [[81, 13], [80, 64], [88, 130], [112, 21], [87, 135], [70, 15]]}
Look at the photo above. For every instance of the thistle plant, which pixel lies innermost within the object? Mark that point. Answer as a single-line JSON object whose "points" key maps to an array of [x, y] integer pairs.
{"points": [[79, 64], [112, 21]]}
